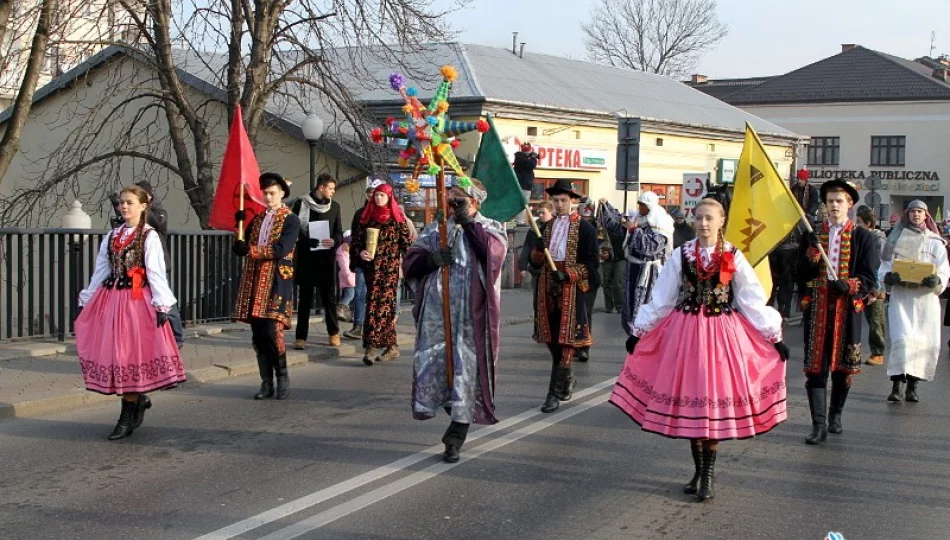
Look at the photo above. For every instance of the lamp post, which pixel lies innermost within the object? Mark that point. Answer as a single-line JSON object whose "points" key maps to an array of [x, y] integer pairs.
{"points": [[75, 218], [312, 131]]}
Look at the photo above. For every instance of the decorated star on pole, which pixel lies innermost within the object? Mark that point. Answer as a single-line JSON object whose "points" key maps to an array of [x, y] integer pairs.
{"points": [[428, 131]]}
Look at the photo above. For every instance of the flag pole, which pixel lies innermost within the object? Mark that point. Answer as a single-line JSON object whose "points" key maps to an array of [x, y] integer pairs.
{"points": [[537, 232], [444, 242], [801, 212], [240, 230]]}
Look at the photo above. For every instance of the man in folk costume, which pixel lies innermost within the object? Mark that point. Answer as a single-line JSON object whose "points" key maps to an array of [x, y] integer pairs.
{"points": [[648, 245], [316, 259], [914, 309], [832, 301], [807, 195], [562, 318], [475, 256], [588, 211], [266, 292]]}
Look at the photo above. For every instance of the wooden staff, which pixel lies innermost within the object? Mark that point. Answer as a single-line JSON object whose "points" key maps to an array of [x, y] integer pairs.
{"points": [[240, 227], [534, 227], [444, 242]]}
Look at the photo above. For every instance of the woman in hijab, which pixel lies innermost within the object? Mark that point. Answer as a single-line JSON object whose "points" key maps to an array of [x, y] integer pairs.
{"points": [[914, 309], [381, 271], [648, 245]]}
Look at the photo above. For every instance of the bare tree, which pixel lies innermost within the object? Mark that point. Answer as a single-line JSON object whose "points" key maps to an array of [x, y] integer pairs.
{"points": [[10, 142], [268, 56], [658, 36]]}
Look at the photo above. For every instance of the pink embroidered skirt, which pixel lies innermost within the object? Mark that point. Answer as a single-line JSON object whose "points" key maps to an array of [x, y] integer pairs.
{"points": [[698, 377], [120, 348]]}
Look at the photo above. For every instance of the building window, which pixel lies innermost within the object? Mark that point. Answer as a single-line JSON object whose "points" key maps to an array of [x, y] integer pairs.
{"points": [[888, 150], [659, 141], [532, 131], [577, 134], [711, 147], [824, 151]]}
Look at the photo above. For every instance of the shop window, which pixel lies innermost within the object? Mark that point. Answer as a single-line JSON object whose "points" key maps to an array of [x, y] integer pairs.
{"points": [[824, 151], [888, 150], [532, 131]]}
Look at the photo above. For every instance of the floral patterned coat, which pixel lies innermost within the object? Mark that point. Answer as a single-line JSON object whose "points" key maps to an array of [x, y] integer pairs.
{"points": [[266, 290]]}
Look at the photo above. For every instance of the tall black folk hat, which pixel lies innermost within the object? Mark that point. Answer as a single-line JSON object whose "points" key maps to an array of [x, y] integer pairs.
{"points": [[561, 187], [271, 178], [842, 185]]}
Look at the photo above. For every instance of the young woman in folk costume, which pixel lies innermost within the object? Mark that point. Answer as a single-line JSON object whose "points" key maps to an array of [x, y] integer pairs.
{"points": [[124, 343], [706, 358], [381, 271]]}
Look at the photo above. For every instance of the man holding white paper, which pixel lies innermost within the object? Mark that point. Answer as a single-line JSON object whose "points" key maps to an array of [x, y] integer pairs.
{"points": [[321, 232]]}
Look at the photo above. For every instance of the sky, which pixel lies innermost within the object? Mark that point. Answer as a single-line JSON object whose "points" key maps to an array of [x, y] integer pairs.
{"points": [[765, 37]]}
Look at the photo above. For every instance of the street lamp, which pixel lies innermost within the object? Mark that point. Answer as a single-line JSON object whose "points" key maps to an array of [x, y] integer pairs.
{"points": [[312, 131]]}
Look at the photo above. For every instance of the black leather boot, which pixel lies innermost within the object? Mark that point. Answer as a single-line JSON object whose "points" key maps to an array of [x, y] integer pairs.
{"points": [[453, 439], [283, 378], [818, 403], [566, 382], [838, 396], [895, 390], [696, 448], [124, 426], [706, 479], [911, 396], [267, 378], [143, 404], [553, 401]]}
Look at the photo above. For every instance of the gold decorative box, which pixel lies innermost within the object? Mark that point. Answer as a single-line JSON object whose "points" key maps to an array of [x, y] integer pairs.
{"points": [[913, 271]]}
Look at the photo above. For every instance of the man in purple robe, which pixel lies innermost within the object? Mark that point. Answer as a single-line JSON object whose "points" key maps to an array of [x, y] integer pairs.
{"points": [[476, 253]]}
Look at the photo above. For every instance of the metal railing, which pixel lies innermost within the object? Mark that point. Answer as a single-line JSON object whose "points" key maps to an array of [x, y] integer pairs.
{"points": [[42, 272]]}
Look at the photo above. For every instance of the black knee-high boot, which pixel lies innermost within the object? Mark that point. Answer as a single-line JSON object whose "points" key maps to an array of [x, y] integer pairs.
{"points": [[839, 394], [142, 405], [267, 378], [706, 480], [283, 378], [818, 403], [696, 448], [123, 427], [553, 400]]}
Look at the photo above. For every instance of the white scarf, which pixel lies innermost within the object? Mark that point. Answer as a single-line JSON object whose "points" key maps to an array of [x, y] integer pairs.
{"points": [[306, 204]]}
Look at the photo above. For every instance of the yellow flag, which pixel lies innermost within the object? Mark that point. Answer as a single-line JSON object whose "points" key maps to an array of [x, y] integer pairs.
{"points": [[763, 210]]}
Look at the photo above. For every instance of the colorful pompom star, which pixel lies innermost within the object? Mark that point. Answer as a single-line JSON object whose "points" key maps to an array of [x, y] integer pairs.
{"points": [[434, 169], [412, 92], [449, 73], [412, 186], [376, 135], [463, 182], [396, 80]]}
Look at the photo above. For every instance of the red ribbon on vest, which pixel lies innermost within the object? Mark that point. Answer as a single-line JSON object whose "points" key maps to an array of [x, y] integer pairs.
{"points": [[727, 267], [137, 274]]}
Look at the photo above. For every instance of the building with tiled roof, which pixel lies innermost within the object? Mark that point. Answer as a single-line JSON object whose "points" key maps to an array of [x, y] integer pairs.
{"points": [[875, 119]]}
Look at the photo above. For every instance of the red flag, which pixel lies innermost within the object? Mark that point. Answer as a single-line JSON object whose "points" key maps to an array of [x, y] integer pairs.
{"points": [[238, 167]]}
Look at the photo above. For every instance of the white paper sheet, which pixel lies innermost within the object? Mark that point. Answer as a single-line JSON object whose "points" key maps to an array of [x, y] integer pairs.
{"points": [[319, 230]]}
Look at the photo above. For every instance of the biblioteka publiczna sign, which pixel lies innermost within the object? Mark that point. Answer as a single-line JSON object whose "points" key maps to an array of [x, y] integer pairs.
{"points": [[890, 180]]}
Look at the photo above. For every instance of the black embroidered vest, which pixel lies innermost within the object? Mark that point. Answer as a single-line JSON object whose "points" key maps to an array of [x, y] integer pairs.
{"points": [[124, 260], [709, 296]]}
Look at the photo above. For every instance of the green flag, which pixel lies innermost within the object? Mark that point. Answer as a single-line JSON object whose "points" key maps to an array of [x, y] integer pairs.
{"points": [[505, 199]]}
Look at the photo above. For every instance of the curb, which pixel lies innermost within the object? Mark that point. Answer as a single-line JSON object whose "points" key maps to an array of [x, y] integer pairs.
{"points": [[80, 397]]}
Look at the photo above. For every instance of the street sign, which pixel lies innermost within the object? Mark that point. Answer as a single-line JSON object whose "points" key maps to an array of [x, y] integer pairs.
{"points": [[694, 189], [873, 182], [873, 199], [628, 154]]}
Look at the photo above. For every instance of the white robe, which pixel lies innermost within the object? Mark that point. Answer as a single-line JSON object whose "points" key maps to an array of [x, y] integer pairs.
{"points": [[914, 313]]}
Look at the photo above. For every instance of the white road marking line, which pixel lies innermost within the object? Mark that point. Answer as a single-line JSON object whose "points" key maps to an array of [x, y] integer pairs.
{"points": [[344, 509], [317, 497]]}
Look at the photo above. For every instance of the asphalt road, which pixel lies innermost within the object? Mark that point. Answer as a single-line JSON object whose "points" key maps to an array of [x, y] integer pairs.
{"points": [[344, 460]]}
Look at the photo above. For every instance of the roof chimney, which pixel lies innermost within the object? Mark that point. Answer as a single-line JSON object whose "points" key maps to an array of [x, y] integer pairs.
{"points": [[521, 54], [845, 47], [699, 79], [942, 73], [514, 43]]}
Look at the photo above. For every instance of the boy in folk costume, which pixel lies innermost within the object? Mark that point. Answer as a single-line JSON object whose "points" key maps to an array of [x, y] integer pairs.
{"points": [[265, 295], [562, 320], [833, 301], [475, 256], [914, 309]]}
